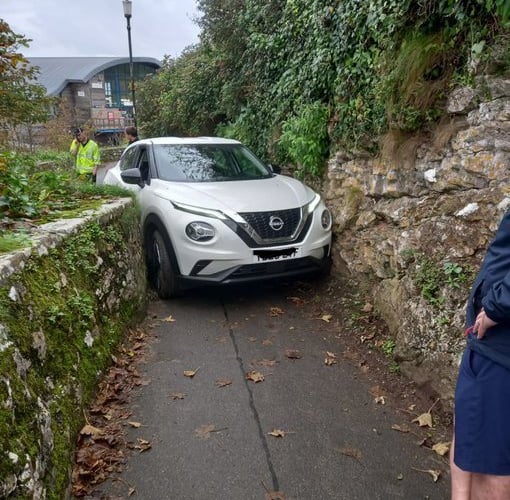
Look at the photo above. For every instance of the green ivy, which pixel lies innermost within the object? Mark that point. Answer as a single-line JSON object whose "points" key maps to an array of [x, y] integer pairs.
{"points": [[304, 139], [263, 69]]}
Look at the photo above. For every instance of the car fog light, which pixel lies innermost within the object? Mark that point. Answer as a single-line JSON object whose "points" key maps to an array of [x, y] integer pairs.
{"points": [[200, 231], [326, 219]]}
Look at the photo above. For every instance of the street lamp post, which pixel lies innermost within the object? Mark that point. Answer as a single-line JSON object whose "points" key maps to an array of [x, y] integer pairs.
{"points": [[127, 5]]}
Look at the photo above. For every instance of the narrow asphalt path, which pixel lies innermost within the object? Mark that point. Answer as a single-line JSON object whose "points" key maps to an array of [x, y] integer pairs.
{"points": [[210, 433]]}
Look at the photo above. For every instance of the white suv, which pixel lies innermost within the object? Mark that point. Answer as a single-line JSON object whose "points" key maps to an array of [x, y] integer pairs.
{"points": [[213, 213]]}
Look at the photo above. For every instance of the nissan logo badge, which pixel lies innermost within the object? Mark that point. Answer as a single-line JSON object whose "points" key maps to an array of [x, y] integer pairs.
{"points": [[275, 223]]}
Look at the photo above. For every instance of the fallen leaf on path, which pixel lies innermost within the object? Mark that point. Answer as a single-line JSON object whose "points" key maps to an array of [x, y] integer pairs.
{"points": [[190, 373], [376, 391], [168, 319], [330, 359], [223, 382], [178, 395], [293, 354], [400, 428], [364, 338], [135, 424], [101, 450], [424, 420], [296, 300], [351, 452], [436, 474], [442, 448], [380, 400], [143, 445], [138, 346], [276, 311], [279, 433], [90, 430], [204, 431], [255, 376], [326, 317]]}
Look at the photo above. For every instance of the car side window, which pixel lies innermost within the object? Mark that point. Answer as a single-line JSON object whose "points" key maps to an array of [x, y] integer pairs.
{"points": [[143, 164], [128, 159], [222, 165], [246, 162]]}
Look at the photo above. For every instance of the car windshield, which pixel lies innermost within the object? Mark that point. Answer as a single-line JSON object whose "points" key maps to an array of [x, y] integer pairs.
{"points": [[208, 163]]}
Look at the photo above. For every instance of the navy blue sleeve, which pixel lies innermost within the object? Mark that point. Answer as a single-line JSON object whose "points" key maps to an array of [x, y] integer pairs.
{"points": [[496, 303], [496, 269]]}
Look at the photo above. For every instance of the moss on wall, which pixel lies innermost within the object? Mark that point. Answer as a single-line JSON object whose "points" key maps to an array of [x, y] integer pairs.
{"points": [[61, 317]]}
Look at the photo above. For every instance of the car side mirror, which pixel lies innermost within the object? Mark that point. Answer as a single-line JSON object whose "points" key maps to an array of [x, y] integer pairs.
{"points": [[132, 176], [275, 169]]}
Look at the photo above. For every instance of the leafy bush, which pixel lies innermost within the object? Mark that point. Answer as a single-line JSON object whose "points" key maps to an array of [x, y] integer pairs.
{"points": [[304, 138], [36, 188]]}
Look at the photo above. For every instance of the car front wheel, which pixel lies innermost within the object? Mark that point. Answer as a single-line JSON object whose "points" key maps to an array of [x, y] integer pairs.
{"points": [[161, 274]]}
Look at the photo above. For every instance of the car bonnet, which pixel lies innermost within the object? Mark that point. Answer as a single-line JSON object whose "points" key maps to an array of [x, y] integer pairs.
{"points": [[275, 193]]}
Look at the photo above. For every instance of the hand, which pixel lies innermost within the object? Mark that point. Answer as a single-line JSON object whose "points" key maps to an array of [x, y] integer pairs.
{"points": [[482, 324]]}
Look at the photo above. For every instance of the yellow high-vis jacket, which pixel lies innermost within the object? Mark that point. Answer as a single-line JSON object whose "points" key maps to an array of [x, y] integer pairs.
{"points": [[87, 156]]}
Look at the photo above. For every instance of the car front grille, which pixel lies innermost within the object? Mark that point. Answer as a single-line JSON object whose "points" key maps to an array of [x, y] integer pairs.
{"points": [[260, 222], [279, 267]]}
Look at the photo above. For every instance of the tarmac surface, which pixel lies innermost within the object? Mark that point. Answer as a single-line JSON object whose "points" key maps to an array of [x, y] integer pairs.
{"points": [[309, 429]]}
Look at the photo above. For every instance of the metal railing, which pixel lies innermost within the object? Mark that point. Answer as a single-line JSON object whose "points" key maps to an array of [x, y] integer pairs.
{"points": [[114, 123]]}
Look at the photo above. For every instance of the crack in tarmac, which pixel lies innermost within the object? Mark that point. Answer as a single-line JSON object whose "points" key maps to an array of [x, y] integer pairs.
{"points": [[265, 446]]}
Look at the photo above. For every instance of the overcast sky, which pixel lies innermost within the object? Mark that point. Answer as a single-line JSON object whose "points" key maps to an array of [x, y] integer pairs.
{"points": [[98, 27]]}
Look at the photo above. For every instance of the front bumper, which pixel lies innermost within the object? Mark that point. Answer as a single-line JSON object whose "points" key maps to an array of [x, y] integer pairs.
{"points": [[263, 271], [235, 255]]}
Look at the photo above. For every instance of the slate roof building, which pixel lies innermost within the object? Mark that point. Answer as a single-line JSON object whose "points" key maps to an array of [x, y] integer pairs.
{"points": [[96, 88]]}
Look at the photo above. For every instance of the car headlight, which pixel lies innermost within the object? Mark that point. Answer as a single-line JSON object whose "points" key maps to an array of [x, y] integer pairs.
{"points": [[200, 231], [206, 212], [326, 219], [314, 203]]}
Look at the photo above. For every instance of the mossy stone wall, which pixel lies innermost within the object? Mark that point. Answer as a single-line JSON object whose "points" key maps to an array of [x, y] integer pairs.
{"points": [[64, 306]]}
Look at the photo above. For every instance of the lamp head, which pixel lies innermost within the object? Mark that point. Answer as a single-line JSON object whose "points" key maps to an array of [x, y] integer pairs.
{"points": [[127, 6]]}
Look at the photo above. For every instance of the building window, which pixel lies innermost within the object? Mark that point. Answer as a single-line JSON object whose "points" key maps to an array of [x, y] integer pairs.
{"points": [[108, 94], [117, 84]]}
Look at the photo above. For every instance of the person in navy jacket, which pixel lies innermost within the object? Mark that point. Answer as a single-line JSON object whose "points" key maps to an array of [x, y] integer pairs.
{"points": [[480, 455]]}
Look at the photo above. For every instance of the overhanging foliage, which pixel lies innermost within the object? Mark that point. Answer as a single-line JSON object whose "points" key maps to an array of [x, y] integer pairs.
{"points": [[262, 65]]}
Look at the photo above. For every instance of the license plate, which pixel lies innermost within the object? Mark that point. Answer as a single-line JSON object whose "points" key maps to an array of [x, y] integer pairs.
{"points": [[274, 255]]}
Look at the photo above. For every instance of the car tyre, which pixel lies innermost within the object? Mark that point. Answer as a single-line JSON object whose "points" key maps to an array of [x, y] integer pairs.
{"points": [[162, 276]]}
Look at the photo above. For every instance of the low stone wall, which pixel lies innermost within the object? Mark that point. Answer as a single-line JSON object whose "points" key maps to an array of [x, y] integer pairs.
{"points": [[414, 224], [64, 306]]}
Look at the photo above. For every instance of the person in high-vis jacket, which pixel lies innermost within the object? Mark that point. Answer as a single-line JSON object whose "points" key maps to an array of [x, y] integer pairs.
{"points": [[86, 152]]}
